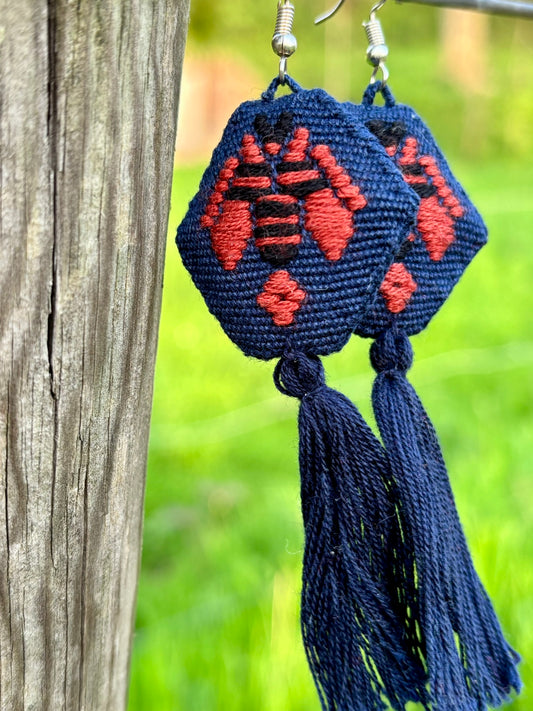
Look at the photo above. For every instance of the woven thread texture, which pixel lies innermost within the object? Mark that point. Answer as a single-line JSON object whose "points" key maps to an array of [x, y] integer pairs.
{"points": [[297, 186], [449, 230]]}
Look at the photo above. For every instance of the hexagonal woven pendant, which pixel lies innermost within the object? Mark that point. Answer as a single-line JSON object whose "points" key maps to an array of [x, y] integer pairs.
{"points": [[448, 231], [295, 225]]}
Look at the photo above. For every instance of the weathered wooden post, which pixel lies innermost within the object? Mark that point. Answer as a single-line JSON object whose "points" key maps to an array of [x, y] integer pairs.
{"points": [[88, 105]]}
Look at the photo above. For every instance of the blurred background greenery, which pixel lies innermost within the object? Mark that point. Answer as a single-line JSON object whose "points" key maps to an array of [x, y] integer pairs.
{"points": [[217, 621]]}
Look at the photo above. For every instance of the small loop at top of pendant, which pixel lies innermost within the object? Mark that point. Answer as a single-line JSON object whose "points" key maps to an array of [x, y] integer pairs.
{"points": [[381, 67], [282, 70], [270, 93], [372, 91]]}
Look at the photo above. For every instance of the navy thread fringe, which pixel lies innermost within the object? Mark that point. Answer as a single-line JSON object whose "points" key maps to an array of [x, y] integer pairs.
{"points": [[353, 637], [469, 664]]}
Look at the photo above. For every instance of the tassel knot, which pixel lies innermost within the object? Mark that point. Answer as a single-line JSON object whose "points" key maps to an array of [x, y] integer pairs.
{"points": [[391, 351], [298, 374]]}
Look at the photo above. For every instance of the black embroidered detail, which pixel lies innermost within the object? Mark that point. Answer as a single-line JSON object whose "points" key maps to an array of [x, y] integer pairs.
{"points": [[271, 208], [295, 166], [301, 190], [252, 170], [273, 134], [388, 133], [278, 254], [406, 247], [423, 189], [280, 229], [412, 169], [246, 194]]}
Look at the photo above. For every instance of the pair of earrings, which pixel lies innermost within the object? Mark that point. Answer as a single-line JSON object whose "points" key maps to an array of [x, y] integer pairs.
{"points": [[316, 220]]}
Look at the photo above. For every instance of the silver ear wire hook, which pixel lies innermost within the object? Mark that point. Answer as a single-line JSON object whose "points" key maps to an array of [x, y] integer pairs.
{"points": [[284, 42], [377, 51]]}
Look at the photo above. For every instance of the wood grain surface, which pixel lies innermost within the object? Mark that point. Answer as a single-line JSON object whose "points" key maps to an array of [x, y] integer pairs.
{"points": [[88, 107]]}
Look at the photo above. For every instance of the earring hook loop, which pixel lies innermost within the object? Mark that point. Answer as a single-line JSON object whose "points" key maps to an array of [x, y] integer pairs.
{"points": [[377, 51], [329, 13], [377, 7]]}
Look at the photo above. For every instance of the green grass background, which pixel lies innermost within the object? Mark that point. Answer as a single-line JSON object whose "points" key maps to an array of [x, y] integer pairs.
{"points": [[217, 623]]}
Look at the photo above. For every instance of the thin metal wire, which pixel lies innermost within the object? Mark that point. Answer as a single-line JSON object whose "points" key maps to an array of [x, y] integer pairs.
{"points": [[329, 13], [282, 70], [512, 8], [377, 7]]}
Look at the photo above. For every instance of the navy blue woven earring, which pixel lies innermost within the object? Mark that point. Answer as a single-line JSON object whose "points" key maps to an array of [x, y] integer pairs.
{"points": [[449, 620], [295, 225], [313, 221]]}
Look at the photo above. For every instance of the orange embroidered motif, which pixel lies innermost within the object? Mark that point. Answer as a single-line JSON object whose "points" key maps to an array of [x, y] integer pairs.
{"points": [[397, 288], [281, 297]]}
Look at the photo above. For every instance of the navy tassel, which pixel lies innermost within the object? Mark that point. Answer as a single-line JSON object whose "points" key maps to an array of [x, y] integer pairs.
{"points": [[469, 664], [354, 638]]}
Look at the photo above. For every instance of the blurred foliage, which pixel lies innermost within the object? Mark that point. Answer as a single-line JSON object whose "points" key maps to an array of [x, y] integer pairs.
{"points": [[489, 120], [217, 622]]}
